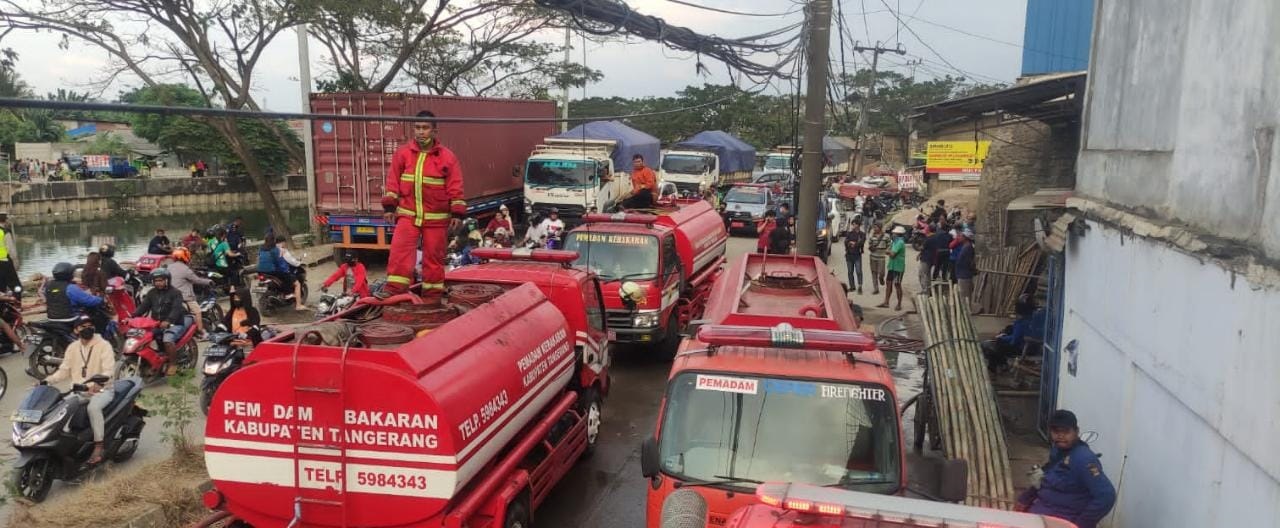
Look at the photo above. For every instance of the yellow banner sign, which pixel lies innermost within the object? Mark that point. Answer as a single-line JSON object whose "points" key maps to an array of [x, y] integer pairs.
{"points": [[956, 156]]}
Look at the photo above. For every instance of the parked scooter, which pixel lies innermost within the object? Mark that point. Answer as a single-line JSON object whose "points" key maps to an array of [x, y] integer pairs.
{"points": [[143, 355], [272, 293], [52, 435]]}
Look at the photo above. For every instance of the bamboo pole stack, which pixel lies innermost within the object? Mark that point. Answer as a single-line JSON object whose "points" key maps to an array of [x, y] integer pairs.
{"points": [[968, 418], [1004, 276]]}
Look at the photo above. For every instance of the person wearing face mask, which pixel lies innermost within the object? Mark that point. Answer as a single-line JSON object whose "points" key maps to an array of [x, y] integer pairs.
{"points": [[88, 356]]}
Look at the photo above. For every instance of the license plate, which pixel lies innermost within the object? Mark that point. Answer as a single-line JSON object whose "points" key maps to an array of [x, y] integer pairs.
{"points": [[366, 231], [26, 416], [258, 289], [737, 224]]}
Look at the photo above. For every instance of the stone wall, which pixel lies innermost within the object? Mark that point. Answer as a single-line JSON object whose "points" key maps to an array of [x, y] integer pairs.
{"points": [[40, 203], [1024, 158]]}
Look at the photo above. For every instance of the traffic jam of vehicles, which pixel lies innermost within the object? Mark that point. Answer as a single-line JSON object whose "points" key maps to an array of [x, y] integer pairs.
{"points": [[462, 397]]}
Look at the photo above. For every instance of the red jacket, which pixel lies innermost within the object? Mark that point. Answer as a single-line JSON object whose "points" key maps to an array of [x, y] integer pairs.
{"points": [[361, 286], [764, 228], [425, 186]]}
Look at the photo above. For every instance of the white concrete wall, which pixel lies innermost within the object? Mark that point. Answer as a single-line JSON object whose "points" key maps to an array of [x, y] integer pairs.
{"points": [[1179, 373], [1183, 114]]}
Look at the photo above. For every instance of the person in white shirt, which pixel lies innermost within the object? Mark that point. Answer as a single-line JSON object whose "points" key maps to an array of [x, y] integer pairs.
{"points": [[86, 357], [552, 225]]}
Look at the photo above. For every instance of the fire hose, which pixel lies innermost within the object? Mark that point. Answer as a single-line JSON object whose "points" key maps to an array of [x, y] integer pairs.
{"points": [[384, 333]]}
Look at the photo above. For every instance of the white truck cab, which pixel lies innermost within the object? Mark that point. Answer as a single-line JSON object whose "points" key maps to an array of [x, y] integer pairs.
{"points": [[690, 170], [573, 176]]}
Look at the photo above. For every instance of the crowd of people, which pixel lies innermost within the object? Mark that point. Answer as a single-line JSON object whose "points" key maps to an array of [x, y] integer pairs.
{"points": [[33, 169]]}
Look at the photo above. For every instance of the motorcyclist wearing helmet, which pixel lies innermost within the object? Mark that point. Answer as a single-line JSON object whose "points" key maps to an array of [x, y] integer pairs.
{"points": [[359, 275], [164, 304], [88, 356], [110, 268], [185, 280], [65, 299]]}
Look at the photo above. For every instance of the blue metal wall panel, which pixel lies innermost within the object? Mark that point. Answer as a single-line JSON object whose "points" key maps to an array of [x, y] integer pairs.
{"points": [[1057, 37]]}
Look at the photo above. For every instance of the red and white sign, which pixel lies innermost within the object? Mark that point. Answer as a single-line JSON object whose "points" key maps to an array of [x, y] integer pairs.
{"points": [[727, 384], [908, 181], [97, 161]]}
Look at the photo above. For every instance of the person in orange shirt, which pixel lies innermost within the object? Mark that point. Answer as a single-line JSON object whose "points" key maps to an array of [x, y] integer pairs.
{"points": [[644, 185]]}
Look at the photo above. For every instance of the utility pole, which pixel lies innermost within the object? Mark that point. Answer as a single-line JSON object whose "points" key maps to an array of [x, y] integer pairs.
{"points": [[876, 50], [564, 105], [815, 114], [304, 76]]}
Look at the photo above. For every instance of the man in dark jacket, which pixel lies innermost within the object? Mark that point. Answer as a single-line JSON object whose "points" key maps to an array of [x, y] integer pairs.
{"points": [[164, 304], [1074, 487], [781, 237]]}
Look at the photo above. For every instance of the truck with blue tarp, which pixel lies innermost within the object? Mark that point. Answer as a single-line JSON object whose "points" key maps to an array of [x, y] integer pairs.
{"points": [[586, 167], [708, 159]]}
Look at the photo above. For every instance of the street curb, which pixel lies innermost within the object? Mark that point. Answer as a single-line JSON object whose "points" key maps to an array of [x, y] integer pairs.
{"points": [[155, 517]]}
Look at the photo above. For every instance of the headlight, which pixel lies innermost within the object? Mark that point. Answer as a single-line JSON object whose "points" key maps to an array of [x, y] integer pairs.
{"points": [[822, 233], [130, 343], [646, 319], [212, 367], [41, 432]]}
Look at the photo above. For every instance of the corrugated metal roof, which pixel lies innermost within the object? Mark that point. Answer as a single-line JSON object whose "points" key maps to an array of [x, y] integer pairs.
{"points": [[1057, 37]]}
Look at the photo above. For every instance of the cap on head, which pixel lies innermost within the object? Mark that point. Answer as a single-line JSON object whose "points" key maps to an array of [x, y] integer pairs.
{"points": [[1063, 419], [83, 320]]}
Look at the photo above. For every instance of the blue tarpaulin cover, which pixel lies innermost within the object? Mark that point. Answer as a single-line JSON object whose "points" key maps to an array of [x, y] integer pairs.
{"points": [[735, 155], [630, 142]]}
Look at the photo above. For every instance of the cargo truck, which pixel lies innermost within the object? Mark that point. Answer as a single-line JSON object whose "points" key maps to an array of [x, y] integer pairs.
{"points": [[835, 158], [777, 384], [710, 159], [656, 270], [468, 424], [352, 157], [587, 167]]}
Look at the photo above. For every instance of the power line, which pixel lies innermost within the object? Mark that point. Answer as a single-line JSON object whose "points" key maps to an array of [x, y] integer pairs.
{"points": [[926, 44], [730, 12], [990, 39], [12, 102]]}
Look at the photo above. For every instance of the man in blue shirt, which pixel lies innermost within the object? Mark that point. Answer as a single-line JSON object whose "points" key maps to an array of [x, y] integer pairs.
{"points": [[1074, 487]]}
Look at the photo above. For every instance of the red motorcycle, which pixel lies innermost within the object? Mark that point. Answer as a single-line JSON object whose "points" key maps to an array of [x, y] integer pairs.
{"points": [[143, 355], [120, 298], [11, 312]]}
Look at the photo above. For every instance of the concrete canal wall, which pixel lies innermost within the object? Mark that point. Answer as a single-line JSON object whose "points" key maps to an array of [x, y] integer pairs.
{"points": [[51, 202]]}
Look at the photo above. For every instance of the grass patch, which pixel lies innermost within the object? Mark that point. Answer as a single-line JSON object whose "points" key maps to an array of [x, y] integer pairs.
{"points": [[114, 499]]}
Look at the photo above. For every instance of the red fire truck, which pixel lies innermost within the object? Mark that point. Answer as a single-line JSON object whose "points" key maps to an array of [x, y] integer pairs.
{"points": [[784, 505], [470, 424], [666, 263], [777, 385]]}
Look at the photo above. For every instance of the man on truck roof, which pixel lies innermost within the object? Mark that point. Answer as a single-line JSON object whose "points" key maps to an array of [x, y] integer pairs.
{"points": [[423, 199], [644, 185]]}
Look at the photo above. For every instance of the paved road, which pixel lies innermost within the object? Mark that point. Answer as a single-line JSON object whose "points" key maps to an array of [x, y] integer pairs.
{"points": [[606, 490]]}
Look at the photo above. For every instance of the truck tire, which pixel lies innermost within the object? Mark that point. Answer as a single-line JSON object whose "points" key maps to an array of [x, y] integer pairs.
{"points": [[671, 339], [517, 515], [591, 407]]}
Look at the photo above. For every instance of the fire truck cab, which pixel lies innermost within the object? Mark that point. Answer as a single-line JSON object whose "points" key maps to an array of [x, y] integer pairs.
{"points": [[656, 270], [465, 414], [777, 385]]}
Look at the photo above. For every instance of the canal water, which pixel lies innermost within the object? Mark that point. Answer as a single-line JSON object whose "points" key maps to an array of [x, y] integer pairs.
{"points": [[42, 246]]}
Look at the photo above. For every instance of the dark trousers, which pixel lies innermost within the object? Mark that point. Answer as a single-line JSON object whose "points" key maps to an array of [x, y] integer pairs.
{"points": [[854, 263], [642, 199], [9, 277]]}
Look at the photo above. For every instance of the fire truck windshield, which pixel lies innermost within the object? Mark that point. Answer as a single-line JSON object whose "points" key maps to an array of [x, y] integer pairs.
{"points": [[559, 173], [685, 164], [615, 256], [719, 427]]}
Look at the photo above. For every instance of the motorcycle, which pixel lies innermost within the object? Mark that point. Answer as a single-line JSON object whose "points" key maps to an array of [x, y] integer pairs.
{"points": [[210, 311], [142, 355], [272, 293], [52, 435], [47, 341], [331, 304], [11, 313], [223, 357]]}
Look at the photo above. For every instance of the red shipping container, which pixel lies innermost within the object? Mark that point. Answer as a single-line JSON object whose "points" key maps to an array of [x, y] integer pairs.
{"points": [[352, 157]]}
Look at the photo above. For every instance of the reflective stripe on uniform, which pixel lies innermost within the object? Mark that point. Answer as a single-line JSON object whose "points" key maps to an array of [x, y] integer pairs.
{"points": [[4, 246], [425, 216], [433, 285], [417, 188], [393, 194], [426, 180], [398, 279]]}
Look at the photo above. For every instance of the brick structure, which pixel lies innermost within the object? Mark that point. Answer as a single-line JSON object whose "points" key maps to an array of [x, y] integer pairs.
{"points": [[1024, 158]]}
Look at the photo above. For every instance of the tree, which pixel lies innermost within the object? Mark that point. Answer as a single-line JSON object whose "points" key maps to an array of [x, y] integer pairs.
{"points": [[480, 49], [215, 45], [109, 144], [22, 126], [193, 138]]}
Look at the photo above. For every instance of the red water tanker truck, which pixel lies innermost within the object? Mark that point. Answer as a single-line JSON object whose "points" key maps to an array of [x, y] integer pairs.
{"points": [[469, 423], [656, 269]]}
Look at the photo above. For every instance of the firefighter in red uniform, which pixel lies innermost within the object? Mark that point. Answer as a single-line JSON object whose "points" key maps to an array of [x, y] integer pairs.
{"points": [[423, 199]]}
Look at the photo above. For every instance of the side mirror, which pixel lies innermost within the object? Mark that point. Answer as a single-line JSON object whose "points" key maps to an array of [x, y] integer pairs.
{"points": [[649, 457], [953, 485]]}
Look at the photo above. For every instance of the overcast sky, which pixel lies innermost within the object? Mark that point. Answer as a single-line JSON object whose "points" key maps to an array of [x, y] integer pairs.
{"points": [[990, 52]]}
